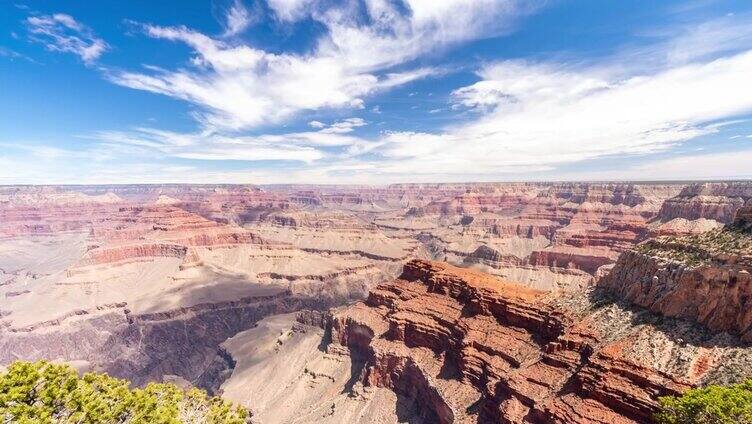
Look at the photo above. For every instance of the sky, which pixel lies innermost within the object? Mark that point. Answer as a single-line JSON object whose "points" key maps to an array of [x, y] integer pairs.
{"points": [[374, 91]]}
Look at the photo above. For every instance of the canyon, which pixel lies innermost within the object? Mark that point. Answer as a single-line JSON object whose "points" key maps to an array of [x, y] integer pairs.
{"points": [[422, 303]]}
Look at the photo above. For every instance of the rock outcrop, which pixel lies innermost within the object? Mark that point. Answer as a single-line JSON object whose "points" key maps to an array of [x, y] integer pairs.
{"points": [[706, 278], [473, 348], [718, 201]]}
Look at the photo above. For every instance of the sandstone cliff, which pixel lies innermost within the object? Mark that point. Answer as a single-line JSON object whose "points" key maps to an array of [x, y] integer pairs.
{"points": [[706, 278], [718, 201], [473, 348]]}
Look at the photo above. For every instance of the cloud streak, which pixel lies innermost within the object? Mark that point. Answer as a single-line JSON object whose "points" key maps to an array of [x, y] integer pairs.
{"points": [[306, 147], [62, 33]]}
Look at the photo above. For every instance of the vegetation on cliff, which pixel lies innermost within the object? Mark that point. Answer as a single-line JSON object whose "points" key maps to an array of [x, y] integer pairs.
{"points": [[41, 392], [700, 249], [712, 404]]}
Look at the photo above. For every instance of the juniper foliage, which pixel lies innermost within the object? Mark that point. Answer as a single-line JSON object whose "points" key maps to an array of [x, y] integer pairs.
{"points": [[45, 393]]}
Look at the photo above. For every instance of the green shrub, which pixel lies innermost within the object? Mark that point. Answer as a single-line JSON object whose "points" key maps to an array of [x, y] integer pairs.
{"points": [[40, 392], [712, 404]]}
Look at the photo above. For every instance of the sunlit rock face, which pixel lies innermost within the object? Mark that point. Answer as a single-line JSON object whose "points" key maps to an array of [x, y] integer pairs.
{"points": [[705, 277], [468, 347]]}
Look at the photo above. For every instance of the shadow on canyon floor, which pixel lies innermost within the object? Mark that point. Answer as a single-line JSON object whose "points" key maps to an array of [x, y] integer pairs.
{"points": [[185, 341]]}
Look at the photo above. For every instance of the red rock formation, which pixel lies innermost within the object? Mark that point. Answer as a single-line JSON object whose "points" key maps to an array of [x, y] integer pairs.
{"points": [[472, 348], [505, 200], [717, 296], [112, 254], [491, 257], [705, 278], [519, 227], [586, 259], [718, 201], [323, 220]]}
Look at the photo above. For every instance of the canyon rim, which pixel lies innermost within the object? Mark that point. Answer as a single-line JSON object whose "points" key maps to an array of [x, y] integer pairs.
{"points": [[375, 211]]}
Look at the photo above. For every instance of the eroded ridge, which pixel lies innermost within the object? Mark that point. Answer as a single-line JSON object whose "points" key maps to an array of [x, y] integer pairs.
{"points": [[473, 348], [705, 278]]}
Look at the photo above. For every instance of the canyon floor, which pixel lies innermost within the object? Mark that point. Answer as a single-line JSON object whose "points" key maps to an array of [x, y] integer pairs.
{"points": [[416, 303]]}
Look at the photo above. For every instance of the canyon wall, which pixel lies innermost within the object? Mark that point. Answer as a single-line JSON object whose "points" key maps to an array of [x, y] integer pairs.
{"points": [[718, 201], [706, 278], [578, 302], [474, 348]]}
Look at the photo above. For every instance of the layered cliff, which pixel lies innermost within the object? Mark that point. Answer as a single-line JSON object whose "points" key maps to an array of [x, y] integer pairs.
{"points": [[706, 278], [472, 348], [718, 201]]}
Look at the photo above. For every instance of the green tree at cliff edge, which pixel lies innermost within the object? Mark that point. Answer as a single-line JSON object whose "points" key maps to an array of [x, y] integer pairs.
{"points": [[41, 392], [712, 404]]}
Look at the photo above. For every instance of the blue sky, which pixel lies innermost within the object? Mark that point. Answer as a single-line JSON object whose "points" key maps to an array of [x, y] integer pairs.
{"points": [[374, 91]]}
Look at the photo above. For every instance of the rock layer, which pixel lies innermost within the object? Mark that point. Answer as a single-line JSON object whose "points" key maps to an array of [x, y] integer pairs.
{"points": [[473, 348], [706, 278], [718, 201]]}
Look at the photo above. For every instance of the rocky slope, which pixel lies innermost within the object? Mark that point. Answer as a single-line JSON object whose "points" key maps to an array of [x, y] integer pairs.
{"points": [[467, 347], [705, 278], [477, 349], [284, 374]]}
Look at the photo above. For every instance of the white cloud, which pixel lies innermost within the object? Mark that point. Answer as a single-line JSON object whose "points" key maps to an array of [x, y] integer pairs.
{"points": [[239, 18], [344, 126], [6, 52], [394, 79], [547, 114], [62, 33], [304, 147], [289, 10], [712, 166], [48, 154], [240, 87], [726, 35], [512, 83], [394, 36], [340, 127], [213, 147]]}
